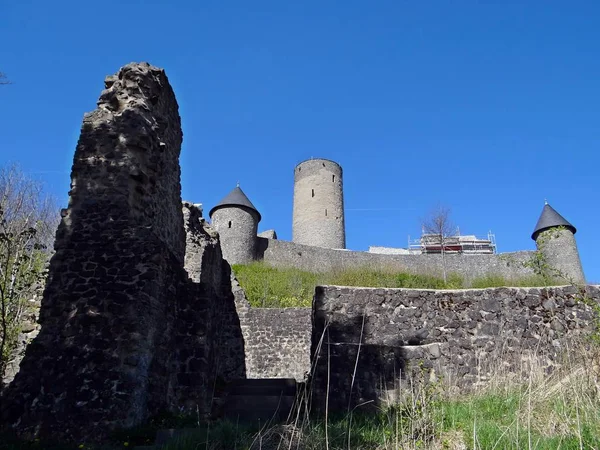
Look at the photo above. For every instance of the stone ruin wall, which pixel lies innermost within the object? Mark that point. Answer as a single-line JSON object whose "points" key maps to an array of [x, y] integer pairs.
{"points": [[212, 282], [124, 333], [277, 342], [278, 253], [463, 336]]}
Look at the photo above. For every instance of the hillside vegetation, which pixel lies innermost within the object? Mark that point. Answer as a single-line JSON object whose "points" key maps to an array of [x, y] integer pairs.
{"points": [[269, 287]]}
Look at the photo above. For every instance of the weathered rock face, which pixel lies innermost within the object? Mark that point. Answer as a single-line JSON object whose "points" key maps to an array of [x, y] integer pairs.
{"points": [[468, 336], [124, 331]]}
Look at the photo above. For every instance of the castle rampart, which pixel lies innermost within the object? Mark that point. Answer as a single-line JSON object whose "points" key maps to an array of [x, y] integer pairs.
{"points": [[319, 259]]}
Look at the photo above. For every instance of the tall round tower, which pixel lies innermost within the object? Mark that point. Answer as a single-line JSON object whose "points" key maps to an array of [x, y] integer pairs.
{"points": [[236, 220], [319, 204], [554, 237]]}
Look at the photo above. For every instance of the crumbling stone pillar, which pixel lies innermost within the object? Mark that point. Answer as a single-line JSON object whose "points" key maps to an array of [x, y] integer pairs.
{"points": [[102, 358]]}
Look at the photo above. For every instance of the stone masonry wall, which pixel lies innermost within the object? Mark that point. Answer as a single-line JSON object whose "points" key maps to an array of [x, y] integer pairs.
{"points": [[560, 252], [466, 336], [237, 227], [125, 333], [279, 253], [212, 276], [318, 213], [105, 309], [277, 342]]}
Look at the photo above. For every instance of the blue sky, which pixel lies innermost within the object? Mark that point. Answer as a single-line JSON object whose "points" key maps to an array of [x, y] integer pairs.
{"points": [[486, 107]]}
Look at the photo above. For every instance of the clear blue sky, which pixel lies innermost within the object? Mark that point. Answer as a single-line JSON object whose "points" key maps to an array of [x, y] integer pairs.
{"points": [[488, 107]]}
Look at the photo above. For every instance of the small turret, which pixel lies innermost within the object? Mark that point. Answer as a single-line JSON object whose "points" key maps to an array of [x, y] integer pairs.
{"points": [[236, 219], [555, 239]]}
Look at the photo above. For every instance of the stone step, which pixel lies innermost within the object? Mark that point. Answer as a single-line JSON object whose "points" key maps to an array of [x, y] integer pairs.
{"points": [[252, 400], [251, 408], [266, 386]]}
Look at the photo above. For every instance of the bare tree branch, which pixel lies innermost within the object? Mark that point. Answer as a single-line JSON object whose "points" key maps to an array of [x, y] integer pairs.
{"points": [[437, 228], [27, 223], [4, 79]]}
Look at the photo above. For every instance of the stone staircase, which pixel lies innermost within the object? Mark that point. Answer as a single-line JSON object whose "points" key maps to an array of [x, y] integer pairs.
{"points": [[258, 400], [254, 402]]}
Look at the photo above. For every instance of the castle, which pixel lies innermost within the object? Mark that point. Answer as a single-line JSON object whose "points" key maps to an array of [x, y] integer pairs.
{"points": [[140, 314], [319, 236]]}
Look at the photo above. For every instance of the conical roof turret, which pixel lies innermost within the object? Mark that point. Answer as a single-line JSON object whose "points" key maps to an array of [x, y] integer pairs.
{"points": [[550, 219], [235, 198]]}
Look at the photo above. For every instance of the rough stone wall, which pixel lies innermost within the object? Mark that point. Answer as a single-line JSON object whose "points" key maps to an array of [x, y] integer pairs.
{"points": [[279, 253], [318, 216], [559, 248], [237, 227], [212, 311], [268, 234], [124, 333], [389, 250], [277, 342], [467, 336]]}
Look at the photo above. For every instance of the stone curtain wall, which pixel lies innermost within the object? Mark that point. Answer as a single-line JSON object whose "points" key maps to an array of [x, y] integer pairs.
{"points": [[125, 334], [466, 336], [277, 342], [318, 259]]}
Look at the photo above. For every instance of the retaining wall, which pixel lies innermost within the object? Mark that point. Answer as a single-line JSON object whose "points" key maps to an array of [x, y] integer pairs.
{"points": [[277, 342], [464, 336]]}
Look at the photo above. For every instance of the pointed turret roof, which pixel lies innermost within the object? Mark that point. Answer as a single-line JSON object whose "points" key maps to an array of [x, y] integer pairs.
{"points": [[235, 198], [550, 219]]}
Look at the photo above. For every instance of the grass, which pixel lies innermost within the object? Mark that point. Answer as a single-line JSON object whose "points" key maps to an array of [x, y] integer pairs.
{"points": [[532, 411], [269, 287], [490, 281]]}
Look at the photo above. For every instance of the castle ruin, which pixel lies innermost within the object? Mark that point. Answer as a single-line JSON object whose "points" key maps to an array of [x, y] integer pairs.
{"points": [[141, 314]]}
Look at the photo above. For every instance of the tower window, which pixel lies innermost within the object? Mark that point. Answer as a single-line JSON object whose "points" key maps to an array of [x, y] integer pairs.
{"points": [[325, 212], [313, 192], [230, 224], [333, 178], [323, 164]]}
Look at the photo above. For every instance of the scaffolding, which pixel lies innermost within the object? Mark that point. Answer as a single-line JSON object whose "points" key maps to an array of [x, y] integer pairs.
{"points": [[468, 244]]}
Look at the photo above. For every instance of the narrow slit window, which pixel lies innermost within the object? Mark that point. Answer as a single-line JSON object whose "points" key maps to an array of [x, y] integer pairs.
{"points": [[230, 224], [312, 192], [325, 212], [333, 178]]}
